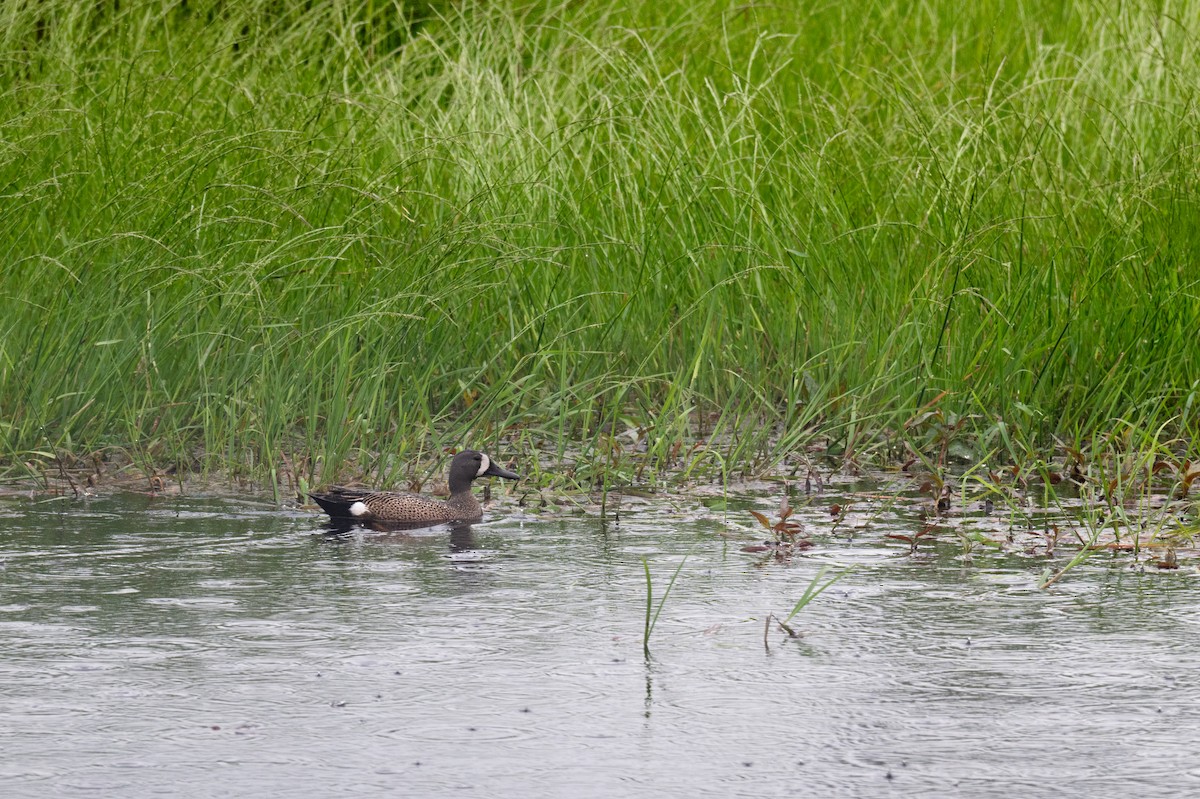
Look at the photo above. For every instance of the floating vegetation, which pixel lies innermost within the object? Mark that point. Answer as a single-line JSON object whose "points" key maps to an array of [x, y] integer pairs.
{"points": [[787, 535]]}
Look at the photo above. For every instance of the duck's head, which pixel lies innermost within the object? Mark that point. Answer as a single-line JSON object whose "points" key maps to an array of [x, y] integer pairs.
{"points": [[469, 465]]}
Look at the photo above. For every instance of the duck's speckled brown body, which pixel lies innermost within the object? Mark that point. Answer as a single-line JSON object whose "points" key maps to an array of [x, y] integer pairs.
{"points": [[384, 506]]}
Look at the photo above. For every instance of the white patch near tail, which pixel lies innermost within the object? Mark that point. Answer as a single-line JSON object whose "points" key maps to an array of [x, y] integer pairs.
{"points": [[484, 465], [358, 508]]}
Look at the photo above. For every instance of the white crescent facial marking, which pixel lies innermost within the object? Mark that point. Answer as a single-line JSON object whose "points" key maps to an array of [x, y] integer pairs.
{"points": [[358, 509], [485, 463]]}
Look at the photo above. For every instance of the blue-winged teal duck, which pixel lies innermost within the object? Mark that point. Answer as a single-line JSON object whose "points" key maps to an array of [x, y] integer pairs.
{"points": [[381, 506]]}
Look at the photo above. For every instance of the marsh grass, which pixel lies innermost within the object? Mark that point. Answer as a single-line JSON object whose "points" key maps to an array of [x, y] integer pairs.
{"points": [[653, 609], [813, 590], [347, 237]]}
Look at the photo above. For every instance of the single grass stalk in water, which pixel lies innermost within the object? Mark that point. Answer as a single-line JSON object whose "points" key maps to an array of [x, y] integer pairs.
{"points": [[652, 612], [1085, 551], [814, 589]]}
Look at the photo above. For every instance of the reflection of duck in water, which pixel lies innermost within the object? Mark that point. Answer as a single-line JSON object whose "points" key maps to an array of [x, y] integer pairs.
{"points": [[462, 534], [410, 510]]}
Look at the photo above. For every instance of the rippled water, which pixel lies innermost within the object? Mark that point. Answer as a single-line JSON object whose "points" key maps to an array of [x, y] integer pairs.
{"points": [[211, 647]]}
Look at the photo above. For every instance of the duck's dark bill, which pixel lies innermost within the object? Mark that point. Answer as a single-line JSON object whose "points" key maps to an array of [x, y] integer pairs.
{"points": [[496, 471]]}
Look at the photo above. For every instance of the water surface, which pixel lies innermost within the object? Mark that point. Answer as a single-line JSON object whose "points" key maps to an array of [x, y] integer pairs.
{"points": [[216, 647]]}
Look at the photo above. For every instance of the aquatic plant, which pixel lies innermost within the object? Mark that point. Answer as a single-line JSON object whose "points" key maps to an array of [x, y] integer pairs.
{"points": [[652, 609], [813, 590], [926, 532], [1089, 548], [787, 535]]}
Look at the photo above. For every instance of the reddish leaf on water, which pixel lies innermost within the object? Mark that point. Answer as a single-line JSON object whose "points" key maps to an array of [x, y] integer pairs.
{"points": [[1188, 473], [763, 520]]}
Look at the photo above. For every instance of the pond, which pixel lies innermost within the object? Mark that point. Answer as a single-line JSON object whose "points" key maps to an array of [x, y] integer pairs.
{"points": [[210, 646]]}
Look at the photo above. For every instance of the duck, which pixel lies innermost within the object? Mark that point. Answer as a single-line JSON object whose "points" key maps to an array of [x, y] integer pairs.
{"points": [[367, 506]]}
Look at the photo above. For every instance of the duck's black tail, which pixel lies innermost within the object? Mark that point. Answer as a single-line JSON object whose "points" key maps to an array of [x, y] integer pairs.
{"points": [[338, 499]]}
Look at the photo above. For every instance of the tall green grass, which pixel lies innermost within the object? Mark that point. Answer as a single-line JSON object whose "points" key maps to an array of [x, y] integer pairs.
{"points": [[354, 233]]}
